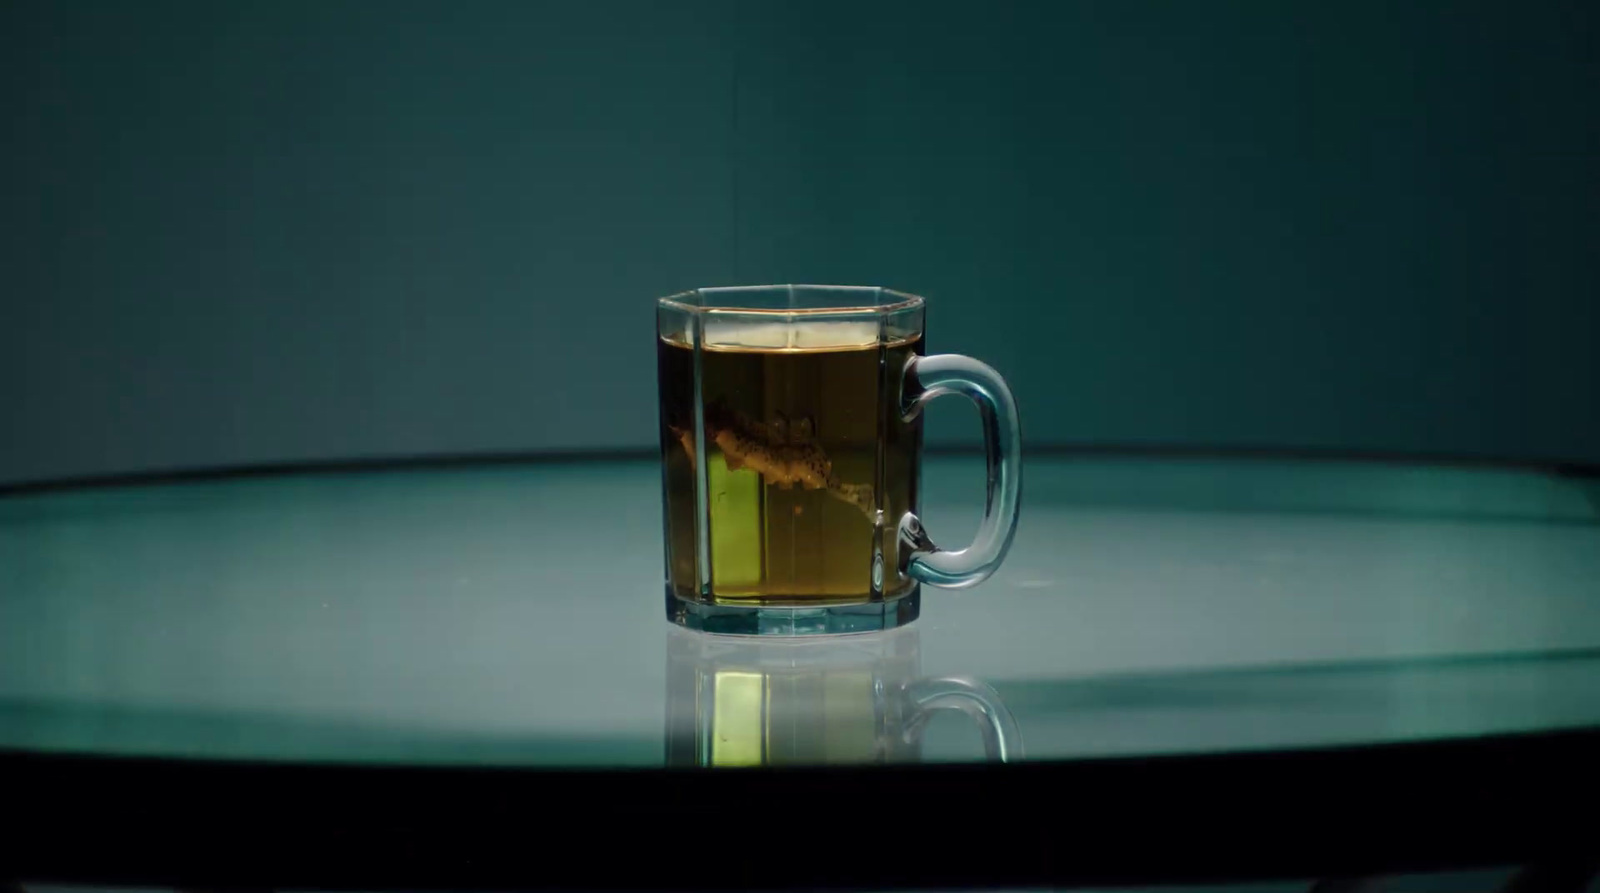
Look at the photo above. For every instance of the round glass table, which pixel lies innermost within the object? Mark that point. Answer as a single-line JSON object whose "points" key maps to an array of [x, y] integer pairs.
{"points": [[1189, 669]]}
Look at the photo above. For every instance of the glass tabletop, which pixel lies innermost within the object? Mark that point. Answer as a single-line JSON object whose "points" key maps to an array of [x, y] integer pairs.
{"points": [[512, 615]]}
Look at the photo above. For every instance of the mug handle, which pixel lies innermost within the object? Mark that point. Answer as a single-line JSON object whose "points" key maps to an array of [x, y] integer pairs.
{"points": [[1002, 741], [925, 379]]}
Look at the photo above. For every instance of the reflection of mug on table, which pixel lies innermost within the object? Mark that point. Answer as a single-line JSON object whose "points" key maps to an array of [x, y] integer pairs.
{"points": [[854, 699]]}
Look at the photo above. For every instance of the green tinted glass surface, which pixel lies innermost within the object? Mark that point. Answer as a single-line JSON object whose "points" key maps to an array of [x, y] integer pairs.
{"points": [[512, 614]]}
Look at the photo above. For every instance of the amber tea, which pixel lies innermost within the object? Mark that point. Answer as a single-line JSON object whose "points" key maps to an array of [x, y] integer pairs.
{"points": [[807, 466]]}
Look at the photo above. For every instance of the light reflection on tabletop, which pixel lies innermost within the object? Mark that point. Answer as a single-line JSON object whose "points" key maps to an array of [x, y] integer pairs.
{"points": [[738, 701]]}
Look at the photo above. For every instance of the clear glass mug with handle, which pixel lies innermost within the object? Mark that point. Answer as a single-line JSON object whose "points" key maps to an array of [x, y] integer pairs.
{"points": [[791, 446]]}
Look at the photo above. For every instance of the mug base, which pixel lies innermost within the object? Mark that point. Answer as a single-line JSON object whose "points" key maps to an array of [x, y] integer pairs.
{"points": [[768, 620]]}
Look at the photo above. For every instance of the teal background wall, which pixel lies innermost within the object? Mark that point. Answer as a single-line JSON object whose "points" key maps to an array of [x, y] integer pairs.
{"points": [[239, 233]]}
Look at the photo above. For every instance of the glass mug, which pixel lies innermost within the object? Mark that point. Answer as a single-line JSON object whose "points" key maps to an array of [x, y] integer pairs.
{"points": [[791, 441], [737, 701]]}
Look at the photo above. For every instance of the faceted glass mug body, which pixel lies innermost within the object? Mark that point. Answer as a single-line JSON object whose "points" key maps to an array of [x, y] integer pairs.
{"points": [[790, 443]]}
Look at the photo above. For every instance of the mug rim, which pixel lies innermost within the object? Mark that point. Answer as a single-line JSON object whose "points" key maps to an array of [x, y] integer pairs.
{"points": [[889, 300]]}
